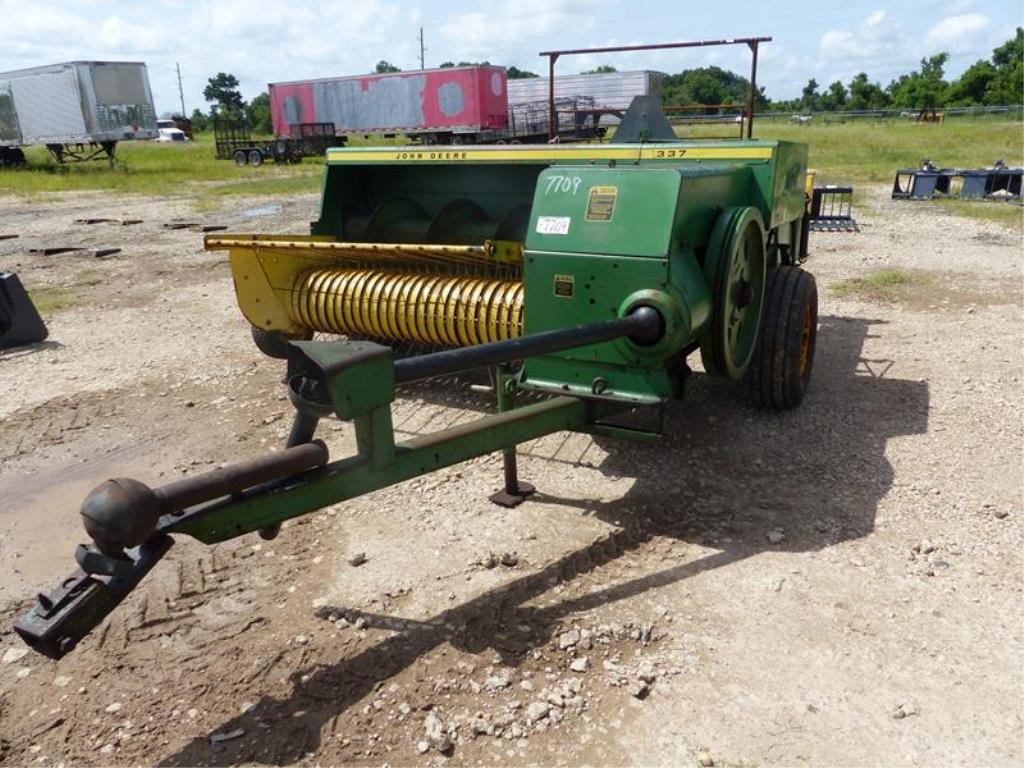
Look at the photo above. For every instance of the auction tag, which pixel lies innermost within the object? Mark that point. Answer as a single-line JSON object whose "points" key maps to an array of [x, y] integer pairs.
{"points": [[553, 225]]}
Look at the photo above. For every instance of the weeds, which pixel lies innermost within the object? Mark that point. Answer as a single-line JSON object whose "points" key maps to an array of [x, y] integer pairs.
{"points": [[884, 284], [50, 300]]}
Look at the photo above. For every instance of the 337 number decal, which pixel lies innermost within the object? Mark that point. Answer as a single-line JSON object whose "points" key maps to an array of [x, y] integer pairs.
{"points": [[668, 153]]}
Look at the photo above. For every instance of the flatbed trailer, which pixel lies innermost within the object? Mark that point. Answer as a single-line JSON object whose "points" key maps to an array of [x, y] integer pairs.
{"points": [[233, 141]]}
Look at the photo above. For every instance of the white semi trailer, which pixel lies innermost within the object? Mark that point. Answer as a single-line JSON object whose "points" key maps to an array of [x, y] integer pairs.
{"points": [[78, 110]]}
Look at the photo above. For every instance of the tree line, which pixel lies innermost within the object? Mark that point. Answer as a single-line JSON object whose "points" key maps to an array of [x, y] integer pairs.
{"points": [[998, 80]]}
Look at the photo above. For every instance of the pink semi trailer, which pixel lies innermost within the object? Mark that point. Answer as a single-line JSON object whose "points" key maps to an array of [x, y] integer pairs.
{"points": [[452, 105]]}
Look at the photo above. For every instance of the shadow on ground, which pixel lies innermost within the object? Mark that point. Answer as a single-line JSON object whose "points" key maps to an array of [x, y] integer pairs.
{"points": [[724, 477]]}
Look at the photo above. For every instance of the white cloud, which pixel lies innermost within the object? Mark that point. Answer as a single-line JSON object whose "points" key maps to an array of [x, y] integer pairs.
{"points": [[878, 36], [957, 34], [955, 7], [875, 18], [501, 31], [257, 40], [884, 47]]}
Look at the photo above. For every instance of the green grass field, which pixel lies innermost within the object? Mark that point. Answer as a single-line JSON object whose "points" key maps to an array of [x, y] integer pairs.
{"points": [[853, 153], [859, 152], [151, 168]]}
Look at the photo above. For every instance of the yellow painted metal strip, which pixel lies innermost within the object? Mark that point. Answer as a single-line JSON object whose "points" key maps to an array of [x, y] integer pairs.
{"points": [[581, 153]]}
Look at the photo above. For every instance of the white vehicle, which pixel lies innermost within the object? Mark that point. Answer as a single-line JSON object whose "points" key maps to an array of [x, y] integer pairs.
{"points": [[169, 131]]}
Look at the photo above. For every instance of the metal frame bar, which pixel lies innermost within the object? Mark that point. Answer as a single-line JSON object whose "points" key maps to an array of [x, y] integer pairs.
{"points": [[751, 42]]}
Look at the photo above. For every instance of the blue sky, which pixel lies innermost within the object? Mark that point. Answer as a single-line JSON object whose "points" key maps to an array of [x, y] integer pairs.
{"points": [[263, 41]]}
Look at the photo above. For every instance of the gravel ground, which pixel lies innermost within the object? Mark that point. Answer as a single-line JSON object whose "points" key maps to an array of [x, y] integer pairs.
{"points": [[838, 585]]}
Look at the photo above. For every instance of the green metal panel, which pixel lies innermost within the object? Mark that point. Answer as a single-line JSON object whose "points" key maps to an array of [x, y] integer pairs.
{"points": [[359, 375], [625, 211], [604, 240], [789, 170]]}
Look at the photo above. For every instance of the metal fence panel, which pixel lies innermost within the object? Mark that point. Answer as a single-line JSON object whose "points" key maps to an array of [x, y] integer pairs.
{"points": [[607, 89]]}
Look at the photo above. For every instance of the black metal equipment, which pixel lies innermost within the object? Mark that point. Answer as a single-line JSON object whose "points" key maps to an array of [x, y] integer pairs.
{"points": [[832, 209], [929, 181], [20, 322]]}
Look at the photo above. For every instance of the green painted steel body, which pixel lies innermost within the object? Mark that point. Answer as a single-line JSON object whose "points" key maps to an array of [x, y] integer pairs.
{"points": [[605, 227]]}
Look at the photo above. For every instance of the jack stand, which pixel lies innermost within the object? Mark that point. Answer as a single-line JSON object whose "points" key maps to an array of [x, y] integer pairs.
{"points": [[515, 492]]}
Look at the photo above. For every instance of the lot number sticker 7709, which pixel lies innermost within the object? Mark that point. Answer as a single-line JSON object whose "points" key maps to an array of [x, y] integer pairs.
{"points": [[553, 225]]}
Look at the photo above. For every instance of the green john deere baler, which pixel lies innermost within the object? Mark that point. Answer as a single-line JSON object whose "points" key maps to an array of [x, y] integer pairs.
{"points": [[588, 274]]}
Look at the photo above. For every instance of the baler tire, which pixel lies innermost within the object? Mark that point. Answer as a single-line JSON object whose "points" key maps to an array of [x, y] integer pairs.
{"points": [[780, 372], [273, 343]]}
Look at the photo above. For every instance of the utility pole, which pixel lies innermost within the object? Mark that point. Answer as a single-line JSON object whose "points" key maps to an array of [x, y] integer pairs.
{"points": [[181, 93], [422, 50]]}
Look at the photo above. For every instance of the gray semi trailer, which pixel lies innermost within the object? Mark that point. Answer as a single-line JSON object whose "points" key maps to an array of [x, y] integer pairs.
{"points": [[78, 110]]}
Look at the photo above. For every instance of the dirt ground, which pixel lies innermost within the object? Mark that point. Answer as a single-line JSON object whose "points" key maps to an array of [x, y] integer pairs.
{"points": [[838, 585]]}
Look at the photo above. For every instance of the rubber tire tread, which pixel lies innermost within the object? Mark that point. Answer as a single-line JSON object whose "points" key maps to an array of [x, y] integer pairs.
{"points": [[774, 374]]}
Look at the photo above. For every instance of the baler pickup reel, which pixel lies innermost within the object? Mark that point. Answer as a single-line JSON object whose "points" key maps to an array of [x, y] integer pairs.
{"points": [[584, 275]]}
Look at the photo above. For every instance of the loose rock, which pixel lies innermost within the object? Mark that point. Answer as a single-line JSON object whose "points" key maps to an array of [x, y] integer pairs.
{"points": [[12, 655], [436, 734], [498, 681], [537, 711], [638, 688], [357, 559], [490, 560], [509, 559], [568, 639]]}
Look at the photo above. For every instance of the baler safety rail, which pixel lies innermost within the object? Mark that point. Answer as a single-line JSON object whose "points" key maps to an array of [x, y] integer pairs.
{"points": [[929, 181]]}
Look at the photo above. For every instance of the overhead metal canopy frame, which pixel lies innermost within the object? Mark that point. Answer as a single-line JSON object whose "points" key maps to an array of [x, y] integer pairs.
{"points": [[751, 42]]}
